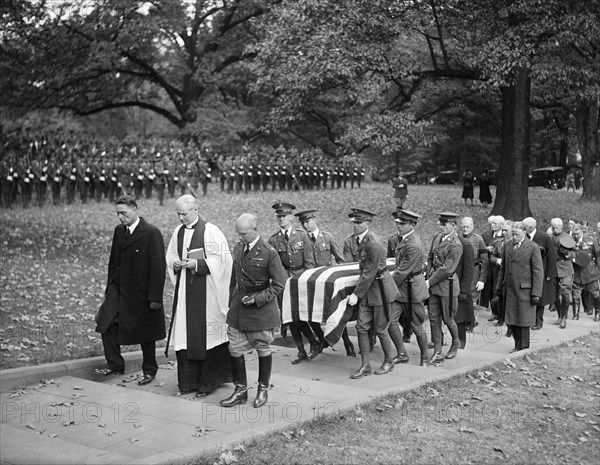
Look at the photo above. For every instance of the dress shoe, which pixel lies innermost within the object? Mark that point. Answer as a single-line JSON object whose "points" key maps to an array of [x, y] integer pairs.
{"points": [[400, 358], [452, 352], [406, 339], [509, 332], [385, 368], [350, 352], [597, 315], [200, 395], [239, 396], [499, 323], [563, 323], [146, 379], [557, 322], [493, 318], [514, 349], [536, 328], [424, 362], [437, 357], [372, 344], [364, 370], [589, 311], [262, 395], [552, 308], [301, 356], [315, 349], [108, 371]]}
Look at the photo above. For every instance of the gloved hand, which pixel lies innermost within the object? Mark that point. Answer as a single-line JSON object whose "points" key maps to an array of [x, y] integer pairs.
{"points": [[535, 300], [462, 296], [479, 286], [352, 300]]}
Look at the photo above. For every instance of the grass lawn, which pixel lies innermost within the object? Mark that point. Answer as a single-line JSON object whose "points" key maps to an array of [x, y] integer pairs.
{"points": [[539, 408], [54, 260]]}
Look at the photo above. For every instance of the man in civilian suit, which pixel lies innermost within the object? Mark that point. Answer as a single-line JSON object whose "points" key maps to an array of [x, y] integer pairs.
{"points": [[548, 252], [520, 281], [132, 312]]}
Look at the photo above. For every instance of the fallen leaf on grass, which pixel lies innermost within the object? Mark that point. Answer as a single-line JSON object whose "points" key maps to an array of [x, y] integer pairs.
{"points": [[53, 435], [132, 440], [434, 392], [464, 429], [240, 448], [477, 398], [582, 439], [137, 425], [202, 431], [497, 449], [160, 384], [316, 379], [227, 458], [68, 423], [77, 388], [509, 363], [359, 420], [580, 415], [30, 426]]}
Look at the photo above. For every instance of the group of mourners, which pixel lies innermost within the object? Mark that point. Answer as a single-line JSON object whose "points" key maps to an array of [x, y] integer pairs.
{"points": [[226, 303]]}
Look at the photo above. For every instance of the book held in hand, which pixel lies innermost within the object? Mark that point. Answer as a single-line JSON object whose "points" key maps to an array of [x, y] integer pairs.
{"points": [[197, 254]]}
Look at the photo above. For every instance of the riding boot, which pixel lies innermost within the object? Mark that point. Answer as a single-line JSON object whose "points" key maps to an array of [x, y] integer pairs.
{"points": [[576, 307], [365, 367], [297, 336], [559, 310], [596, 308], [565, 311], [264, 377], [238, 371]]}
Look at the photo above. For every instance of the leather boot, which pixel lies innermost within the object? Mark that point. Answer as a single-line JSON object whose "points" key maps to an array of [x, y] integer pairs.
{"points": [[315, 349], [576, 308], [240, 394], [365, 367], [597, 309], [264, 377], [565, 311]]}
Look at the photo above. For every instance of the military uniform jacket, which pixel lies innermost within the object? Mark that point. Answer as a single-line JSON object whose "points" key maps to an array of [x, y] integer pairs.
{"points": [[591, 272], [258, 273], [372, 265], [564, 266], [443, 260], [548, 252], [410, 258], [350, 249], [296, 252], [325, 250]]}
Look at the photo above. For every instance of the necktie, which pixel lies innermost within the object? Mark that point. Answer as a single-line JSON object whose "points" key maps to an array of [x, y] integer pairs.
{"points": [[127, 233], [313, 238], [246, 249], [516, 246], [286, 235], [528, 236], [357, 240]]}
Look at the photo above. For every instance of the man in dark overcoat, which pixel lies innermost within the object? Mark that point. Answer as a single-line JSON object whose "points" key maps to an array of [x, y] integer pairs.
{"points": [[520, 281], [548, 252], [132, 312]]}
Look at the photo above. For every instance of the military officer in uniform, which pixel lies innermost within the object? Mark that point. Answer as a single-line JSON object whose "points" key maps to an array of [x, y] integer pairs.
{"points": [[565, 252], [586, 265], [325, 251], [443, 285], [408, 276], [374, 292], [295, 250], [257, 280]]}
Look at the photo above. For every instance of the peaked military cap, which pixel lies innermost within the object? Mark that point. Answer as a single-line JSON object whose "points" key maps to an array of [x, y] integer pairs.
{"points": [[359, 215], [446, 217], [306, 214], [283, 209], [403, 216]]}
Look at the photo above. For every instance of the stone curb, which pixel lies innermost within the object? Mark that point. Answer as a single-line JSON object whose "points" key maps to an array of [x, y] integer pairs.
{"points": [[12, 379]]}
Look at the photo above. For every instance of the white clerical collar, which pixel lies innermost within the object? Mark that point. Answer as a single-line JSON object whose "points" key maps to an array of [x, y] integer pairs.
{"points": [[193, 223], [133, 226]]}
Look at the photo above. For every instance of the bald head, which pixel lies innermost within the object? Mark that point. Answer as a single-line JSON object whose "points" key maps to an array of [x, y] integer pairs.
{"points": [[246, 226], [187, 209]]}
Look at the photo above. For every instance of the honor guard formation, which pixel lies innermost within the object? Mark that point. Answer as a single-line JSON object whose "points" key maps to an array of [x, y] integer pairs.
{"points": [[58, 167]]}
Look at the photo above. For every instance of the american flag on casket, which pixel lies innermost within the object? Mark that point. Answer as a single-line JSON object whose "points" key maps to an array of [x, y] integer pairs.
{"points": [[320, 295]]}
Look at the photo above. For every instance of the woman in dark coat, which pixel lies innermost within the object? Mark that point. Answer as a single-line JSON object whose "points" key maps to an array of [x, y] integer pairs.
{"points": [[468, 183], [485, 196]]}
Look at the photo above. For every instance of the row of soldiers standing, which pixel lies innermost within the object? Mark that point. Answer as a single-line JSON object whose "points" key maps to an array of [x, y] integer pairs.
{"points": [[65, 176]]}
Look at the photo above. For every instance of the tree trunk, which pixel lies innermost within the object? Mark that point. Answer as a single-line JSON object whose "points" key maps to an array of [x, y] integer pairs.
{"points": [[512, 197], [586, 118]]}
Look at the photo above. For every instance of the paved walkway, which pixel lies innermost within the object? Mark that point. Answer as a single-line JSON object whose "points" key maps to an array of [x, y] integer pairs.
{"points": [[77, 420]]}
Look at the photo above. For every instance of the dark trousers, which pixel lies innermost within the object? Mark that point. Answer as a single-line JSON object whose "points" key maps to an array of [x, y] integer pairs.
{"points": [[539, 315], [112, 351], [521, 336]]}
